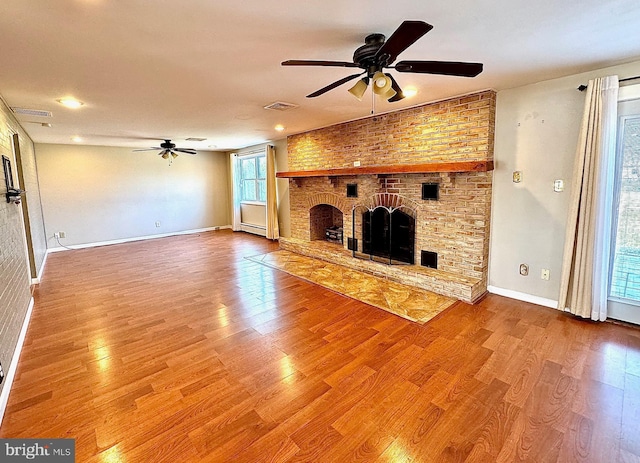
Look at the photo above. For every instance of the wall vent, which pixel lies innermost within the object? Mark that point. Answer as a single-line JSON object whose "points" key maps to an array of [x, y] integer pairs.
{"points": [[31, 112], [281, 106]]}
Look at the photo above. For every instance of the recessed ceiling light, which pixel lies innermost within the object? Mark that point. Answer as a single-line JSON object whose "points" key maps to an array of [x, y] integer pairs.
{"points": [[279, 127], [410, 92], [70, 102], [76, 139]]}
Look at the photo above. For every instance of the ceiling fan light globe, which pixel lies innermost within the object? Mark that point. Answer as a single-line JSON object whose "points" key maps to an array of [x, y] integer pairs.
{"points": [[390, 94], [165, 155], [174, 155], [381, 83], [359, 88]]}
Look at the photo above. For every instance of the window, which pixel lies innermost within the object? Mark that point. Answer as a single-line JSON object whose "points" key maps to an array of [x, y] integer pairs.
{"points": [[253, 174], [625, 278]]}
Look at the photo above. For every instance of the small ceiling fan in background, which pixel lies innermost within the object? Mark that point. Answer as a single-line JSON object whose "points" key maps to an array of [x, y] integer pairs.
{"points": [[377, 54], [169, 149]]}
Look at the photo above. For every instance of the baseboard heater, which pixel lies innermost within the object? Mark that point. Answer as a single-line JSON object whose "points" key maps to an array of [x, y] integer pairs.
{"points": [[255, 229]]}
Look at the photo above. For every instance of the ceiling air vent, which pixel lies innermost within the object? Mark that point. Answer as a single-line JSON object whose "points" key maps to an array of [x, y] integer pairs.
{"points": [[32, 112], [281, 106], [195, 139]]}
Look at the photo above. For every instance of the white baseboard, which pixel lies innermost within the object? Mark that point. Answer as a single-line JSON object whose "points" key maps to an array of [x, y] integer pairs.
{"points": [[523, 297], [38, 279], [137, 238], [8, 380]]}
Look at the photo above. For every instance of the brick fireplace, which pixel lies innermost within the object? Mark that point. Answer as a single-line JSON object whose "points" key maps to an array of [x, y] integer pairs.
{"points": [[398, 153]]}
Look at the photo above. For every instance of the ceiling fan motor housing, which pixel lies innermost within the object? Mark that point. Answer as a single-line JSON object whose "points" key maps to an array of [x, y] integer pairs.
{"points": [[167, 145], [365, 56]]}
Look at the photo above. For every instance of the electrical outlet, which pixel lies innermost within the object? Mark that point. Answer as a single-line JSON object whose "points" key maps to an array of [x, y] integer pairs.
{"points": [[158, 224], [544, 274], [558, 185], [356, 163], [56, 235], [524, 270], [62, 234]]}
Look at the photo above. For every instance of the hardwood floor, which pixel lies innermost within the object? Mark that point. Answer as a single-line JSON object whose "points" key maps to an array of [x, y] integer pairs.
{"points": [[181, 350]]}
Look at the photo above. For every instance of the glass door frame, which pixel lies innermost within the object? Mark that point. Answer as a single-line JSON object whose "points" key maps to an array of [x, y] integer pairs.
{"points": [[620, 308]]}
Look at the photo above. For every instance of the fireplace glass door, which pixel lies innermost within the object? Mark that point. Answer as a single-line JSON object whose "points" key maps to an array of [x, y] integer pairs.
{"points": [[388, 235]]}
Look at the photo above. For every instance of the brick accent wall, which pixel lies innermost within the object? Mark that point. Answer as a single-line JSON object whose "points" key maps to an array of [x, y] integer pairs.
{"points": [[459, 129], [14, 267], [456, 226]]}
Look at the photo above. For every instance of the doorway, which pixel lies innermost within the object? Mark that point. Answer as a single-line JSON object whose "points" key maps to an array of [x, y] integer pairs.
{"points": [[624, 291]]}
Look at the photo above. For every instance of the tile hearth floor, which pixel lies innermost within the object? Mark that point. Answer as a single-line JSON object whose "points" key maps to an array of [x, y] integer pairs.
{"points": [[408, 302]]}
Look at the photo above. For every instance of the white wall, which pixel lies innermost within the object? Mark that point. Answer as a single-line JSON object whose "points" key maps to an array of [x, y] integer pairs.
{"points": [[536, 132], [96, 193], [253, 214], [282, 185]]}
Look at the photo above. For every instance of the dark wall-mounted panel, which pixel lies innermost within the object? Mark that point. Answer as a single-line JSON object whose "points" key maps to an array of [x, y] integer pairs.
{"points": [[429, 259], [430, 191]]}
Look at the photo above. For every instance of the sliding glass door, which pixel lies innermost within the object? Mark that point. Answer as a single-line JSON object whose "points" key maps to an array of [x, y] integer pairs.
{"points": [[624, 293]]}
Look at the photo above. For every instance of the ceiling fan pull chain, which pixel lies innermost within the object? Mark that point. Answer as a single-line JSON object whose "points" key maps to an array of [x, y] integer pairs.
{"points": [[373, 101]]}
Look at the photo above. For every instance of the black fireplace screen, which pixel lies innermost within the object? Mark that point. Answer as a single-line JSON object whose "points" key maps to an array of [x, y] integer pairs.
{"points": [[383, 234]]}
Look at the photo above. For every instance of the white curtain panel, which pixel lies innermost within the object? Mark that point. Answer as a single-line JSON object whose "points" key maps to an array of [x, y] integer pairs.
{"points": [[234, 174], [584, 282], [273, 232]]}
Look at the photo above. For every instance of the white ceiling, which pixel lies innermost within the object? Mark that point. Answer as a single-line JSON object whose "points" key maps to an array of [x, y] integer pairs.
{"points": [[148, 70]]}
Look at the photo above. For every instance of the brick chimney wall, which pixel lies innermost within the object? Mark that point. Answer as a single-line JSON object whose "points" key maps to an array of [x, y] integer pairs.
{"points": [[459, 129]]}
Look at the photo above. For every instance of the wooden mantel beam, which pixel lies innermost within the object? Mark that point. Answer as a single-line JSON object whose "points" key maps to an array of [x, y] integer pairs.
{"points": [[462, 166]]}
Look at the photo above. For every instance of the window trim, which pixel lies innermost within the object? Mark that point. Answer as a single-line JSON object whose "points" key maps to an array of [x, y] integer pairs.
{"points": [[254, 155], [253, 202]]}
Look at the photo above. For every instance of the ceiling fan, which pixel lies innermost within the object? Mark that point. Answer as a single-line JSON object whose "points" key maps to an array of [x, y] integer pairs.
{"points": [[169, 149], [377, 54]]}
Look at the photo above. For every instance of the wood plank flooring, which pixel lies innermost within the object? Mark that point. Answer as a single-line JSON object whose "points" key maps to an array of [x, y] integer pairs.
{"points": [[181, 350]]}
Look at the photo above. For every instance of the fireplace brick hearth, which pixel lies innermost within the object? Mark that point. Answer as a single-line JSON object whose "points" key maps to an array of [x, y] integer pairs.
{"points": [[456, 226]]}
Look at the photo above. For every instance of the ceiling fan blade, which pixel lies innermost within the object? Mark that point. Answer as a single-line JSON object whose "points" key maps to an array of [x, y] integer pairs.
{"points": [[403, 37], [185, 150], [394, 85], [149, 149], [334, 85], [301, 62], [447, 68]]}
